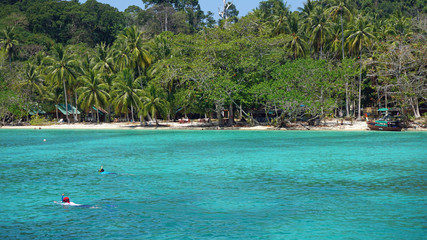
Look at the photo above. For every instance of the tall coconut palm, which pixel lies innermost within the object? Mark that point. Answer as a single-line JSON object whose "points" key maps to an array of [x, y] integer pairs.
{"points": [[297, 45], [126, 92], [133, 43], [359, 36], [121, 56], [320, 30], [109, 81], [340, 8], [103, 59], [306, 13], [9, 43], [93, 92], [32, 80], [280, 25], [153, 102], [62, 67], [307, 8], [335, 44]]}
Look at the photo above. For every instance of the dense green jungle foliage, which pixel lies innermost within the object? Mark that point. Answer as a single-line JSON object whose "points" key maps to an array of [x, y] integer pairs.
{"points": [[331, 58]]}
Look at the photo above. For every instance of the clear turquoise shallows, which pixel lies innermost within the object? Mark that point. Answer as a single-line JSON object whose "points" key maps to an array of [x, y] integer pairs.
{"points": [[213, 184]]}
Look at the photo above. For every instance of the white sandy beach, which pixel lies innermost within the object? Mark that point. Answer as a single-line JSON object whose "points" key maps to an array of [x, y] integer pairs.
{"points": [[329, 125]]}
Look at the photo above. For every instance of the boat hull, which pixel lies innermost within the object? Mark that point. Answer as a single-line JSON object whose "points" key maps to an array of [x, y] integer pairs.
{"points": [[380, 127]]}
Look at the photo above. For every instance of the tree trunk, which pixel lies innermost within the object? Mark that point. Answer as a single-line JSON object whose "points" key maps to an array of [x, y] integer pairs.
{"points": [[266, 115], [75, 112], [386, 100], [360, 87], [321, 49], [109, 113], [230, 116], [131, 110], [415, 108], [97, 115], [342, 37], [219, 116], [66, 103], [321, 102], [347, 100], [155, 118], [166, 21]]}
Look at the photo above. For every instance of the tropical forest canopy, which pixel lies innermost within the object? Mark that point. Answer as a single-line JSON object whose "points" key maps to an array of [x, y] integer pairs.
{"points": [[330, 58]]}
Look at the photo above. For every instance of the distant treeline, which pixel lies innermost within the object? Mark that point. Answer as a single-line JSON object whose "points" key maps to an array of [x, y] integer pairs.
{"points": [[329, 58]]}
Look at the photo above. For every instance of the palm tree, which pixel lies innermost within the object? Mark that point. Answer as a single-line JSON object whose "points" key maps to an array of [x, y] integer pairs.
{"points": [[53, 95], [297, 45], [93, 92], [32, 79], [306, 14], [401, 24], [62, 67], [9, 43], [360, 36], [153, 102], [126, 92], [383, 27], [109, 81], [121, 56], [335, 44], [306, 11], [132, 39], [280, 24], [341, 9], [320, 27], [104, 61]]}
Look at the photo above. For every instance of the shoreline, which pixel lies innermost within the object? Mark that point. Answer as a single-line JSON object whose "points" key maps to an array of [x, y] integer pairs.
{"points": [[326, 126]]}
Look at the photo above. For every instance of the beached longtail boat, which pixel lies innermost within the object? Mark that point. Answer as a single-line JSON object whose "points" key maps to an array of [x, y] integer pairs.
{"points": [[388, 122]]}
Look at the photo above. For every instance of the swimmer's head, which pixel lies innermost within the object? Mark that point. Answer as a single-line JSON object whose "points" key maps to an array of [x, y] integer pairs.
{"points": [[66, 199]]}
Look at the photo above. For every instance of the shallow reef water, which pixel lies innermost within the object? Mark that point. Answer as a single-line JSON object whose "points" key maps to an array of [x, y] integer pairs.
{"points": [[182, 184]]}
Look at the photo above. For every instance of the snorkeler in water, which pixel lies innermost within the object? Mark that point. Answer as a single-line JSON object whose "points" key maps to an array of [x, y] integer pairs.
{"points": [[66, 202], [65, 199], [102, 171]]}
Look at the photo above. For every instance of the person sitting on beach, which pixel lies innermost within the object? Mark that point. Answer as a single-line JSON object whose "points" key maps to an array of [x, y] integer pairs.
{"points": [[101, 170]]}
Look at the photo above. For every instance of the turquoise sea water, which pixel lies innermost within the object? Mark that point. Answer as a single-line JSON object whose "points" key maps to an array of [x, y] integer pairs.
{"points": [[213, 184]]}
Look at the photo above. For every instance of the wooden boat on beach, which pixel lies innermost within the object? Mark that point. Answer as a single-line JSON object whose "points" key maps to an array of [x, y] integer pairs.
{"points": [[384, 125], [389, 122]]}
